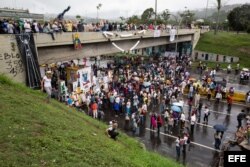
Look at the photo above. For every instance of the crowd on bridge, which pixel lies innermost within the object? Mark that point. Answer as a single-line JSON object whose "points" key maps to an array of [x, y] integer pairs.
{"points": [[55, 26], [154, 89]]}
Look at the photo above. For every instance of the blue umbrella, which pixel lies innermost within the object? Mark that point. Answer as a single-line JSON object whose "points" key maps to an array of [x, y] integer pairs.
{"points": [[176, 108], [219, 127]]}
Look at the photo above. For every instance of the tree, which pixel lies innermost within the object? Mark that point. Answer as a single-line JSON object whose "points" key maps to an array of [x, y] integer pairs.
{"points": [[165, 16], [134, 20], [147, 15], [187, 17], [78, 17], [218, 15], [122, 18], [239, 18]]}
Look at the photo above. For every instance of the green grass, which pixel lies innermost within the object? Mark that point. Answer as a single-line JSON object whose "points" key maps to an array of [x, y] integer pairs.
{"points": [[34, 133], [227, 43]]}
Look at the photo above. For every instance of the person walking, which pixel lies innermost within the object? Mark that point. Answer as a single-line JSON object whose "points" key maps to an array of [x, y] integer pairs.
{"points": [[197, 98], [46, 85], [185, 139], [199, 109], [153, 122], [206, 115], [229, 102], [159, 123], [240, 117], [178, 148], [217, 140], [94, 108], [192, 122], [218, 96], [170, 124], [183, 119]]}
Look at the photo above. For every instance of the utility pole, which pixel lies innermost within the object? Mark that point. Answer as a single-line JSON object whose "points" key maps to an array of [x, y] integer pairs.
{"points": [[206, 11]]}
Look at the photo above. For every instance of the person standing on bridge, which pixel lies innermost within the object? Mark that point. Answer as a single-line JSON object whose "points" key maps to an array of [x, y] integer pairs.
{"points": [[46, 85]]}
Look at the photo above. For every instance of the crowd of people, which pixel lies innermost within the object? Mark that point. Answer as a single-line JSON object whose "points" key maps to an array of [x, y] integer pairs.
{"points": [[28, 26], [147, 90]]}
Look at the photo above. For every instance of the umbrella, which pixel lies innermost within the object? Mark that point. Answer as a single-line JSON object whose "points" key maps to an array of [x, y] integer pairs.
{"points": [[192, 79], [179, 104], [219, 127], [146, 84], [176, 108]]}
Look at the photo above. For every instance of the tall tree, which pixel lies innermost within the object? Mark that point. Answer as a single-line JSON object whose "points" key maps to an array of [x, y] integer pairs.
{"points": [[218, 16], [165, 16], [239, 18], [147, 15]]}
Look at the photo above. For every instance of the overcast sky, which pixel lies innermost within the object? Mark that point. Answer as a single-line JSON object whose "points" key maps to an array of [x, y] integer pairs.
{"points": [[110, 8]]}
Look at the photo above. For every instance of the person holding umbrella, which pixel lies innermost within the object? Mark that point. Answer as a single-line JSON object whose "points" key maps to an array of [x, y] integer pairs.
{"points": [[217, 140], [220, 128], [240, 117]]}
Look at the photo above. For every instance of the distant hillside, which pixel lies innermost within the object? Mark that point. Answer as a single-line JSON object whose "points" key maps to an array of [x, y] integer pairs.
{"points": [[227, 43], [210, 11]]}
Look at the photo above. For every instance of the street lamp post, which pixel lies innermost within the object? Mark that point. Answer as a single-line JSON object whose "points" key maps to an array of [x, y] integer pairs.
{"points": [[98, 8], [177, 30], [155, 11]]}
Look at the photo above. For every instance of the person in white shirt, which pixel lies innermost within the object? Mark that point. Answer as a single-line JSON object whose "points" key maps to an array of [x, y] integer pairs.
{"points": [[178, 148], [206, 114], [27, 27], [182, 120], [192, 122], [197, 98], [46, 85], [218, 97]]}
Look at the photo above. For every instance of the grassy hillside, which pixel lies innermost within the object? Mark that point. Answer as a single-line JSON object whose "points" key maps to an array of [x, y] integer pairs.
{"points": [[34, 133], [227, 43]]}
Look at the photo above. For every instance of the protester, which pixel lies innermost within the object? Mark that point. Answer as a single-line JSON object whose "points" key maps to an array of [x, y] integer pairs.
{"points": [[178, 148], [217, 140], [112, 130], [46, 85], [206, 115]]}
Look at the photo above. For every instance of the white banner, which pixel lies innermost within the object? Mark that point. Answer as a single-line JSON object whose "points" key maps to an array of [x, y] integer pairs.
{"points": [[171, 54], [157, 33], [172, 33], [85, 78]]}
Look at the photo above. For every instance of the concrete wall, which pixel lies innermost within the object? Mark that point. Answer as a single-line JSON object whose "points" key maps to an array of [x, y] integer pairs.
{"points": [[204, 56], [54, 54], [44, 40], [10, 59]]}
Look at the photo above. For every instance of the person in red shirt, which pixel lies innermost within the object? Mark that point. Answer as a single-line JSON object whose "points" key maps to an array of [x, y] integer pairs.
{"points": [[94, 108], [229, 102]]}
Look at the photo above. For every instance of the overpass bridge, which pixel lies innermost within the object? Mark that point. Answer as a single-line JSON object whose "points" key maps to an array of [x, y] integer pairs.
{"points": [[93, 44]]}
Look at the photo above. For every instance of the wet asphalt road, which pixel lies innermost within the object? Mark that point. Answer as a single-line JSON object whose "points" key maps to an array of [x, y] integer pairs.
{"points": [[201, 151]]}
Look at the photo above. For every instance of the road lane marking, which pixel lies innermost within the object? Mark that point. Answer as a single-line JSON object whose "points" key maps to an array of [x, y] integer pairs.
{"points": [[200, 124], [194, 143], [185, 105]]}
